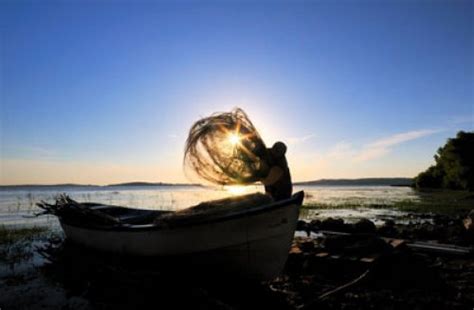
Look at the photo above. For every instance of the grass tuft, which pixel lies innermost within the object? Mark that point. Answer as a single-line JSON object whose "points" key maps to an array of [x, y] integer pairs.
{"points": [[12, 235]]}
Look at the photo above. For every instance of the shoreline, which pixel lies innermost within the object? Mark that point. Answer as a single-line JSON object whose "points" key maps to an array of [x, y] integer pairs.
{"points": [[37, 267]]}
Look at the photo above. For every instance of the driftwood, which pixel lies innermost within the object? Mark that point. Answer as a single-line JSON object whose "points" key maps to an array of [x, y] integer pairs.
{"points": [[427, 247], [344, 286], [447, 249]]}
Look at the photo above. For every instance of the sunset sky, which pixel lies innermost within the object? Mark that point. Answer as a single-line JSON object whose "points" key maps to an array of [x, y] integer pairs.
{"points": [[105, 92]]}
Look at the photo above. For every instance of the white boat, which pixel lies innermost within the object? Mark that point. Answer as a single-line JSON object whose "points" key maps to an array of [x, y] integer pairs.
{"points": [[252, 242]]}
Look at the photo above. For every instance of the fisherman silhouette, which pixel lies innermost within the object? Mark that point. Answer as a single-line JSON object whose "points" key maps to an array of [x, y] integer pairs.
{"points": [[226, 149], [278, 180]]}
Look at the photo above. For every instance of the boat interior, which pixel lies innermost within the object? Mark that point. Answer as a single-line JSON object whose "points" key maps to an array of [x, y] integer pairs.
{"points": [[205, 211]]}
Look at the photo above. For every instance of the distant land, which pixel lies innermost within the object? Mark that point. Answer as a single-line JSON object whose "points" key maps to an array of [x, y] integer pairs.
{"points": [[322, 182], [151, 184], [360, 182], [92, 186]]}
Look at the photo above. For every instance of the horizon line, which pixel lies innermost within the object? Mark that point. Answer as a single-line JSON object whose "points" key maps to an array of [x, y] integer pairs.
{"points": [[188, 184]]}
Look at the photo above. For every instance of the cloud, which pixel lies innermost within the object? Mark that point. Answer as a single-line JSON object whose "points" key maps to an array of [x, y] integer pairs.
{"points": [[382, 147], [341, 150], [346, 160], [345, 151], [402, 137], [299, 140], [371, 153]]}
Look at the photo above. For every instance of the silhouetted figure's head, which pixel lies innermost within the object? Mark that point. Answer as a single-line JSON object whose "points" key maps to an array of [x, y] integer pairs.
{"points": [[278, 150]]}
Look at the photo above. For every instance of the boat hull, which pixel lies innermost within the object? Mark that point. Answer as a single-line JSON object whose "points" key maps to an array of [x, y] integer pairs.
{"points": [[253, 245]]}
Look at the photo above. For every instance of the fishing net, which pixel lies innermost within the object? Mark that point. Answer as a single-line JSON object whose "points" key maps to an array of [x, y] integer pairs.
{"points": [[226, 149]]}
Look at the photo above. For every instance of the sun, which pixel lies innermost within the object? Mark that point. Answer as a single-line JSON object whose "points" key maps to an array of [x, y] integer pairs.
{"points": [[234, 139], [236, 190]]}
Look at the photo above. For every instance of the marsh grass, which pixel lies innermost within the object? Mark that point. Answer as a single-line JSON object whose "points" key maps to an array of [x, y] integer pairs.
{"points": [[427, 201], [11, 235], [16, 244]]}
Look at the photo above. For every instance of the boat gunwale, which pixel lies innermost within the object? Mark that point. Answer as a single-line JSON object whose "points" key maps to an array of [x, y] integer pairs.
{"points": [[296, 198]]}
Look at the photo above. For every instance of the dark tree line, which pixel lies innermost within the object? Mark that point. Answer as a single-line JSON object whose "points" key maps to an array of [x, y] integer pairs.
{"points": [[454, 168]]}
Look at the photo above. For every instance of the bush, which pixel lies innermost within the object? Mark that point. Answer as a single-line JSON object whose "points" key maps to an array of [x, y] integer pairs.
{"points": [[454, 168]]}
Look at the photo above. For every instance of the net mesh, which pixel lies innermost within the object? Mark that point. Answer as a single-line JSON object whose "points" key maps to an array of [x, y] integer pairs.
{"points": [[226, 149]]}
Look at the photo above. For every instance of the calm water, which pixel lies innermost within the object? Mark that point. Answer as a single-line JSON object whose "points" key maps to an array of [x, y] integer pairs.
{"points": [[18, 203]]}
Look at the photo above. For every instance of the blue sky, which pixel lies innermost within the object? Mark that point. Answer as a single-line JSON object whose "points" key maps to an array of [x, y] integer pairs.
{"points": [[103, 92]]}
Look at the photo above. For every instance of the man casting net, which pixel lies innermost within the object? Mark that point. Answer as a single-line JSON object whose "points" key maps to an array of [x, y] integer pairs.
{"points": [[226, 149]]}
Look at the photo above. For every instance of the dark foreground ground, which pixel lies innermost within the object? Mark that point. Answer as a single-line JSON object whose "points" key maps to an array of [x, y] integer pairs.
{"points": [[350, 267]]}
